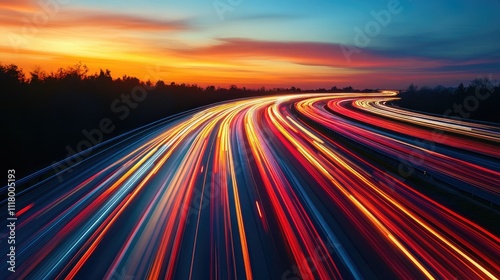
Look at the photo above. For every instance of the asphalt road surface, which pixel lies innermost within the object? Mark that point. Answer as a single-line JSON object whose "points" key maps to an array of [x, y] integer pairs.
{"points": [[284, 187]]}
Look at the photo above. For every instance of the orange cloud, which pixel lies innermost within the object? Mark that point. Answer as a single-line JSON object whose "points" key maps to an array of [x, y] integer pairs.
{"points": [[19, 14], [306, 53], [129, 44], [106, 20]]}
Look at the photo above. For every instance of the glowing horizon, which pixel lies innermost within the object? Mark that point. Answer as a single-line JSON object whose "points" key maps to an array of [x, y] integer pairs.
{"points": [[249, 43]]}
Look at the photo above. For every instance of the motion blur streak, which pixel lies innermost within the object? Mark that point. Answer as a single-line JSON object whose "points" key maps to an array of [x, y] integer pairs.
{"points": [[280, 187]]}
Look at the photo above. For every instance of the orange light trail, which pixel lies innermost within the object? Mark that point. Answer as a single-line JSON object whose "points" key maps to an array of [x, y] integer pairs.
{"points": [[306, 186]]}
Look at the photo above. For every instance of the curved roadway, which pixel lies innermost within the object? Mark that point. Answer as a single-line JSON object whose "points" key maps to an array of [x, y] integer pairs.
{"points": [[282, 187]]}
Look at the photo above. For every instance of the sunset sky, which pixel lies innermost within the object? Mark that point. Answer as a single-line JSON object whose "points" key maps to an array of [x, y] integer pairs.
{"points": [[257, 43]]}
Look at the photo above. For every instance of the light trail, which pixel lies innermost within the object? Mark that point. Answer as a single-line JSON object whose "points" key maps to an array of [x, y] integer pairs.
{"points": [[278, 187]]}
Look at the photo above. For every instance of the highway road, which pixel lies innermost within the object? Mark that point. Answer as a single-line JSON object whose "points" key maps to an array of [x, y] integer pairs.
{"points": [[306, 186]]}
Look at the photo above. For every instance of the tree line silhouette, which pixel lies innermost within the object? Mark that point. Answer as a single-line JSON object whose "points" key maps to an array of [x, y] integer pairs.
{"points": [[47, 112], [479, 101]]}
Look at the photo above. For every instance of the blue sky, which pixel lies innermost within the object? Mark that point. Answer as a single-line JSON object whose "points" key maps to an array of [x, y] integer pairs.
{"points": [[427, 42]]}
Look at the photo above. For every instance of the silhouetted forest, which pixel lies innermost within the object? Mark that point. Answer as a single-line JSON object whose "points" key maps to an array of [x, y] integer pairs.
{"points": [[47, 112], [480, 100]]}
